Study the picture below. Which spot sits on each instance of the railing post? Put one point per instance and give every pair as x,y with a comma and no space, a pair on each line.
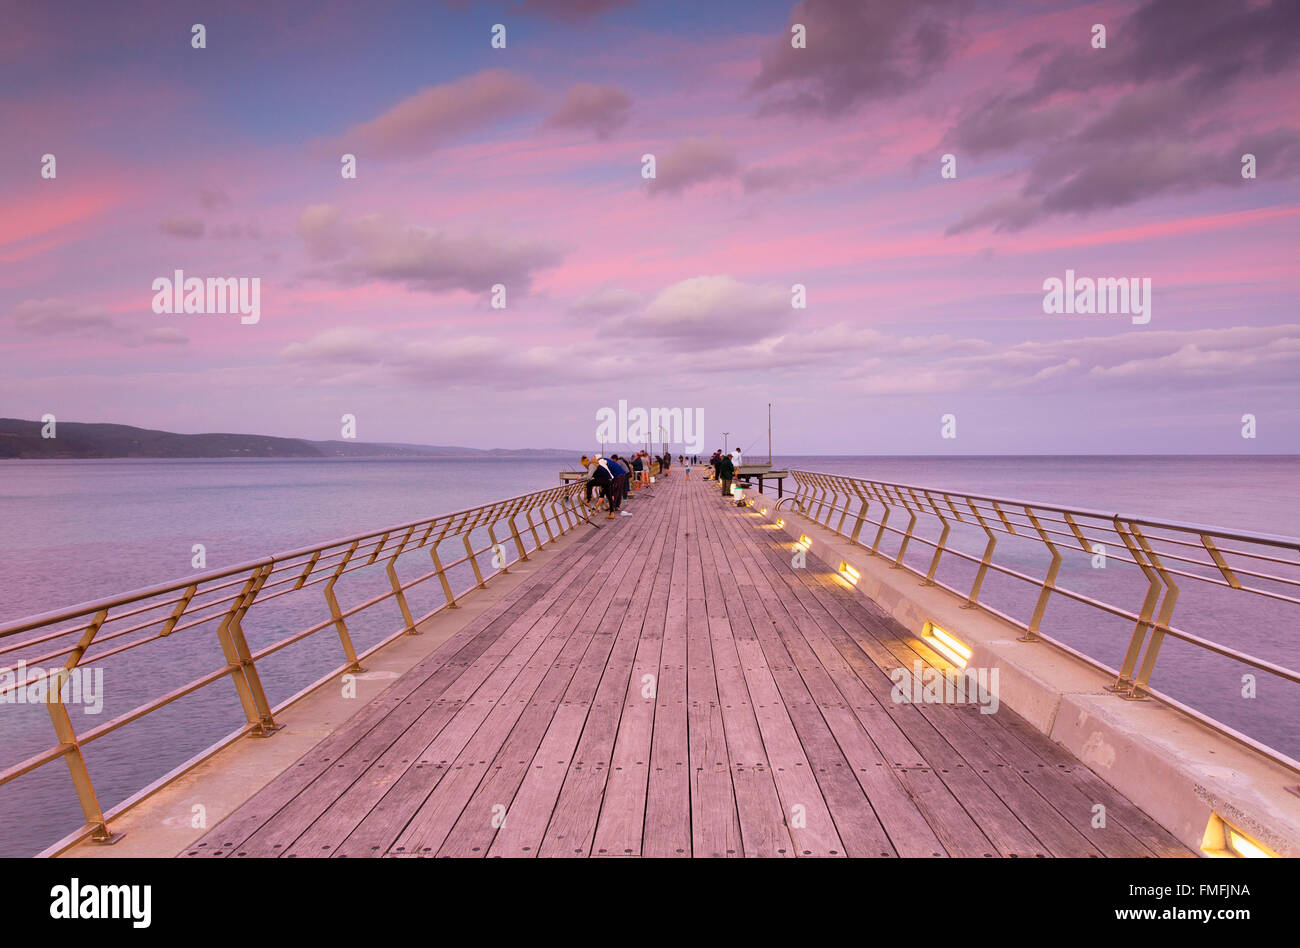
907,536
354,665
1228,575
492,535
67,735
862,513
398,593
1124,682
532,527
235,648
1162,620
884,519
566,505
442,575
519,541
972,600
1049,580
842,485
546,521
473,560
939,547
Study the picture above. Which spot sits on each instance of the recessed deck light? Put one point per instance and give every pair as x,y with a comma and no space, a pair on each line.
947,644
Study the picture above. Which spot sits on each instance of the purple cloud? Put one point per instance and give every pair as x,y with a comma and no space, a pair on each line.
857,50
601,109
691,162
374,247
190,228
429,118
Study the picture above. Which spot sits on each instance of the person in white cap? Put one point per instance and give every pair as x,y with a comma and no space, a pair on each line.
599,476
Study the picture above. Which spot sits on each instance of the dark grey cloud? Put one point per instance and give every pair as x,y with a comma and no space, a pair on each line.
567,11
572,9
857,50
1142,118
1206,45
190,228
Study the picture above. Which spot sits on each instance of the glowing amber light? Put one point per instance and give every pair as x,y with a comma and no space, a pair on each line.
1245,847
950,647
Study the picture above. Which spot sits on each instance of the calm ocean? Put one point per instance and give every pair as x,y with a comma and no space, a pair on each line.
72,531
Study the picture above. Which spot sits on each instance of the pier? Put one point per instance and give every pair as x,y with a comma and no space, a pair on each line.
699,679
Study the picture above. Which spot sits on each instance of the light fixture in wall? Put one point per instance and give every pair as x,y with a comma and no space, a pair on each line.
946,644
1225,841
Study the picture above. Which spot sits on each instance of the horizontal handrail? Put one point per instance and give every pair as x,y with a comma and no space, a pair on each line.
76,637
1163,550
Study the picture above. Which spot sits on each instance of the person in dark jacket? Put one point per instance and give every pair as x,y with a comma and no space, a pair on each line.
599,478
619,490
726,471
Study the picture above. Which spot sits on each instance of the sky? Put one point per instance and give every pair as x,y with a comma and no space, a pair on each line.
777,163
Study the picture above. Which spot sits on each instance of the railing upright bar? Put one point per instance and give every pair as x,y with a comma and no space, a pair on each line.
1162,619
345,638
398,593
257,710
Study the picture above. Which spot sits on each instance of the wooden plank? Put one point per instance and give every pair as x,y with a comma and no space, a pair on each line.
855,820
762,817
667,830
572,828
994,819
915,792
531,809
622,813
904,823
1053,832
1157,840
715,825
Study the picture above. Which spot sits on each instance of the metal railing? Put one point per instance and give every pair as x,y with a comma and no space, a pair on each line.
1166,552
93,632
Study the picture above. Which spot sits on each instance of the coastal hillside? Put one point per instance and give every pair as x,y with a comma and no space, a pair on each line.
22,439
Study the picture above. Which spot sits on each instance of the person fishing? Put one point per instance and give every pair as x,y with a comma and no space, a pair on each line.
599,477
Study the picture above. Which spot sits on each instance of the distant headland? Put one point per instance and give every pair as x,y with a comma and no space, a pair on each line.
25,440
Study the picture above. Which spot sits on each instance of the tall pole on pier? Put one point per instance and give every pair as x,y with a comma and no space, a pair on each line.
769,434
724,441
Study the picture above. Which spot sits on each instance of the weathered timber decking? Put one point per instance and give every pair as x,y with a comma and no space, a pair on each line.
670,686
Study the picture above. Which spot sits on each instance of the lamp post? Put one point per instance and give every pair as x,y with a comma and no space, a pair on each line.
724,441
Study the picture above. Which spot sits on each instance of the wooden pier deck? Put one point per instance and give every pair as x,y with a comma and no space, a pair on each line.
669,686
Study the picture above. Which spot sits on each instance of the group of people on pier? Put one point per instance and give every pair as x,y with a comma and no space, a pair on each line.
614,478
